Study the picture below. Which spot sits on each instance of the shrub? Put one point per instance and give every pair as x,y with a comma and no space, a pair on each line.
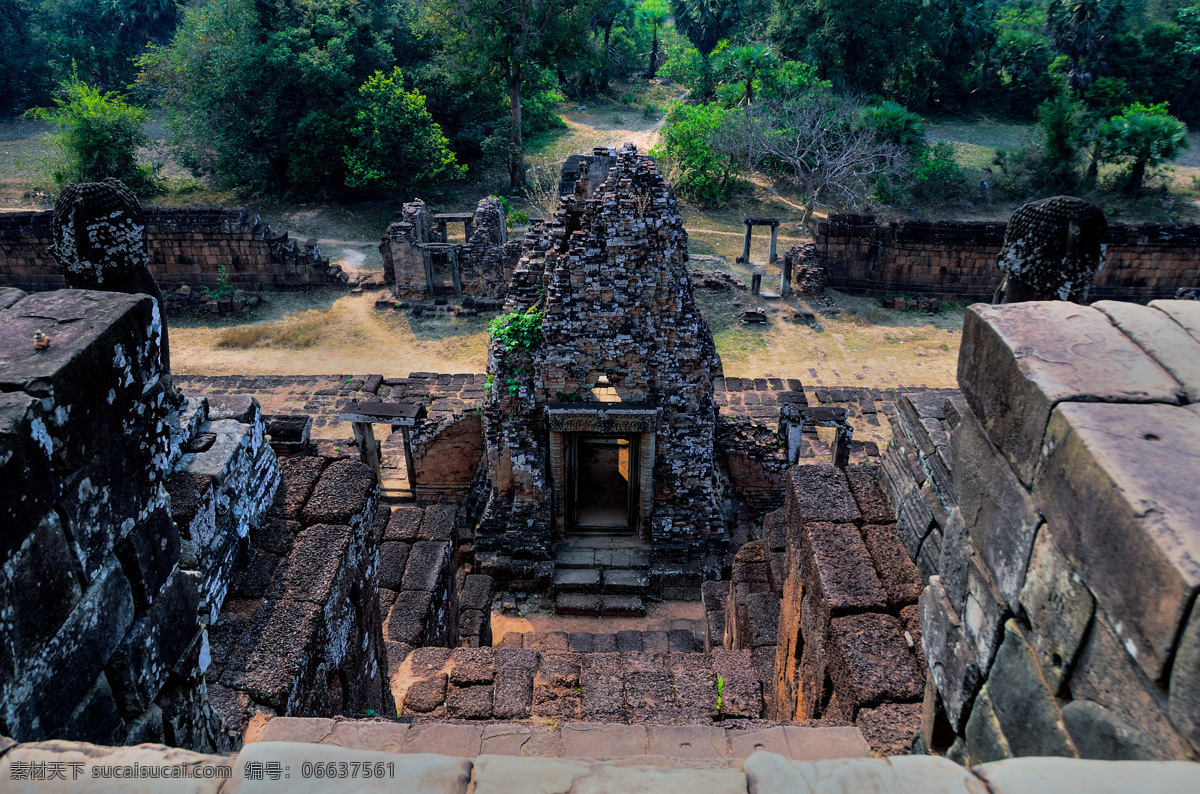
894,123
520,330
98,135
936,175
698,168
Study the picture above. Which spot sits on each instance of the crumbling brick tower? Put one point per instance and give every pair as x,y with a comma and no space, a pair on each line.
625,359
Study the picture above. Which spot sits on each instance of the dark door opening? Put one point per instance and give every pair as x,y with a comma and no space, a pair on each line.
605,484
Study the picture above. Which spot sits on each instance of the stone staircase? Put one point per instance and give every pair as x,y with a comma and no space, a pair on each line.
596,578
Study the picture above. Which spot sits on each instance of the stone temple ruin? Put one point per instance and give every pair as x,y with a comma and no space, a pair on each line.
1013,577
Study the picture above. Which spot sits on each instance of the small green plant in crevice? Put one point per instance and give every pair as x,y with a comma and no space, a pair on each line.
225,288
720,692
518,330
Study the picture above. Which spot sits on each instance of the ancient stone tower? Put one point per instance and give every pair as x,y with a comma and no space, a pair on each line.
604,424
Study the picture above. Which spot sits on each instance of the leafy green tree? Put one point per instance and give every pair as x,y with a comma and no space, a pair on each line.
859,45
1082,30
397,144
1142,136
653,13
512,36
266,94
22,67
896,124
936,175
706,22
98,133
698,163
1017,71
745,64
1061,123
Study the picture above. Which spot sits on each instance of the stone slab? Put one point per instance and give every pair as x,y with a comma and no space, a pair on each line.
1018,361
1119,488
1158,334
436,774
771,773
1037,775
602,740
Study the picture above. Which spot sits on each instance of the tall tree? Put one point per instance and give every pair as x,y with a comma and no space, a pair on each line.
1142,136
653,13
706,22
1082,30
511,35
745,63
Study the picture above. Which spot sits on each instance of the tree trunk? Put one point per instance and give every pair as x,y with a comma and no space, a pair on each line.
516,158
1135,178
1093,170
604,65
653,55
750,89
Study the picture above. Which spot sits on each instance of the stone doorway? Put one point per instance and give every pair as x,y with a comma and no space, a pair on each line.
604,484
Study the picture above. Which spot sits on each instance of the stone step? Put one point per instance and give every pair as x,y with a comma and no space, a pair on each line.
576,580
709,745
626,581
576,603
571,556
680,640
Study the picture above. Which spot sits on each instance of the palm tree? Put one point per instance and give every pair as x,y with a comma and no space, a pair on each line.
1082,30
653,13
1143,136
746,62
705,22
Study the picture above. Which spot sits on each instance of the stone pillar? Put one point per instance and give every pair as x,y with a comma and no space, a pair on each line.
454,272
441,232
645,483
368,449
785,277
427,259
558,483
468,228
408,460
774,242
756,282
746,244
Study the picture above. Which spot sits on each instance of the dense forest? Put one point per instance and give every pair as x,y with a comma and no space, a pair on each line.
353,95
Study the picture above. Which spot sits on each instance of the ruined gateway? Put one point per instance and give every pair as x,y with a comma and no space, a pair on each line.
987,587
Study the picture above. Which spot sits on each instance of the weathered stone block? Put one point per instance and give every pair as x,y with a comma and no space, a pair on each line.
556,690
1058,605
864,485
889,729
315,563
139,666
472,666
404,524
819,492
514,683
693,684
837,566
1186,313
996,509
762,614
25,449
392,559
406,620
1120,502
96,718
869,662
67,667
426,565
1184,702
1162,337
276,653
1018,361
647,683
983,616
37,592
469,703
899,576
299,476
741,691
149,554
915,519
438,523
342,495
951,656
476,592
1100,734
1105,674
603,684
984,737
1025,706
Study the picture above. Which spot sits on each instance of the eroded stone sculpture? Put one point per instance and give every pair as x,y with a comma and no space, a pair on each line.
100,243
1052,250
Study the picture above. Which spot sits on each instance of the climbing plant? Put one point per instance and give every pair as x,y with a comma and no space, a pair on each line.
518,330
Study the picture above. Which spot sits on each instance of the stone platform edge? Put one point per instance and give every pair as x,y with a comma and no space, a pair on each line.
303,767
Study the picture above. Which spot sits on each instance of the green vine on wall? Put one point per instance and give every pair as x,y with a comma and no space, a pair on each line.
520,330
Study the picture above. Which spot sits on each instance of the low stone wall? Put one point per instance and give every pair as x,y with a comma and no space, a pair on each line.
101,639
187,246
957,260
1051,505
